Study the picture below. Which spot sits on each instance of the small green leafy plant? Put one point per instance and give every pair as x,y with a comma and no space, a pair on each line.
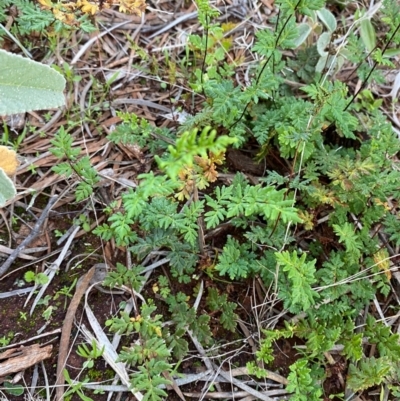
37,278
75,387
11,388
89,354
6,339
80,166
149,354
308,229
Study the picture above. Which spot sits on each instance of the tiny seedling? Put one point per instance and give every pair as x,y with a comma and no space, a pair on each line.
45,301
75,388
90,354
66,291
5,340
23,315
38,278
47,313
58,233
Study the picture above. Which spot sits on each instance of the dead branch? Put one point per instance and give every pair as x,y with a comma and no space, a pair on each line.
34,233
23,358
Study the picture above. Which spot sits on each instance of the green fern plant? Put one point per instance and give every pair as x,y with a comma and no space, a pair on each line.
80,166
149,354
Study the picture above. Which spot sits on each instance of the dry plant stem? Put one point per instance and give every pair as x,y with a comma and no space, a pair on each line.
200,222
56,331
94,39
46,381
233,395
207,360
251,398
132,38
182,381
8,227
248,336
15,292
198,345
35,231
25,255
177,21
52,121
270,375
217,395
332,362
83,108
245,387
66,331
15,40
36,261
155,264
109,354
174,385
35,378
141,102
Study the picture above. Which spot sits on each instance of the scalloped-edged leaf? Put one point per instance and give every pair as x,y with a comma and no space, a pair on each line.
26,85
7,188
304,30
13,389
327,18
368,34
322,63
323,42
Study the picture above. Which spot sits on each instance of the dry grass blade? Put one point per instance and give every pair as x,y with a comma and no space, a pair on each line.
51,271
236,395
109,353
81,288
207,361
13,293
259,395
270,375
50,333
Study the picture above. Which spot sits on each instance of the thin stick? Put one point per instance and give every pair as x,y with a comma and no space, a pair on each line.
35,231
50,333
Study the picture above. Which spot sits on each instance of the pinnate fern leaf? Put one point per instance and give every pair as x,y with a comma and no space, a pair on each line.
301,275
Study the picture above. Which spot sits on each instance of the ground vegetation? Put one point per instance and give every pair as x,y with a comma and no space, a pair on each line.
213,212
